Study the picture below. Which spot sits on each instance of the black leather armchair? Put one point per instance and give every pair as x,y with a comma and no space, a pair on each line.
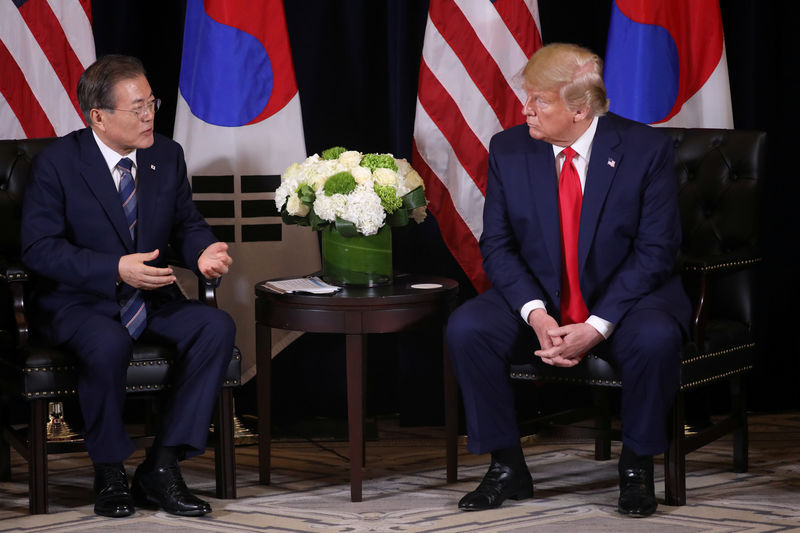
37,374
719,173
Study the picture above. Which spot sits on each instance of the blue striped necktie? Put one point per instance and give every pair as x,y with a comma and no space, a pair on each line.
133,314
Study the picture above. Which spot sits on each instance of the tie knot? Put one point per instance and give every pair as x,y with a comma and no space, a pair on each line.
569,153
125,163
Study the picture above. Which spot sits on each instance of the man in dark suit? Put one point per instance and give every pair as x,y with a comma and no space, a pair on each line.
101,208
580,249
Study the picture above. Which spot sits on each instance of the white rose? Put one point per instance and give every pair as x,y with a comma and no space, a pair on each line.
403,167
291,173
419,213
385,176
361,174
414,180
350,159
317,180
295,207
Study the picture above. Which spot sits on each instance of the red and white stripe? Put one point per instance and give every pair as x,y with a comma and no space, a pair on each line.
469,89
45,45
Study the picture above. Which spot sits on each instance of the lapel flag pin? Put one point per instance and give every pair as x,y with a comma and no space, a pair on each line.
153,167
611,163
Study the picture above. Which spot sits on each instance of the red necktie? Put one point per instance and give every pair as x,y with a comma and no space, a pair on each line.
570,197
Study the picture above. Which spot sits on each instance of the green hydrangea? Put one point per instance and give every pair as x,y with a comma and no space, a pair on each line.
373,161
388,196
333,152
339,183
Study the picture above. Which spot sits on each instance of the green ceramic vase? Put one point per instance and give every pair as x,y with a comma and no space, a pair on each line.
359,260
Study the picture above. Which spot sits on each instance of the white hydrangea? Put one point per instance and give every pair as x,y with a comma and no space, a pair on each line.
284,190
329,207
364,209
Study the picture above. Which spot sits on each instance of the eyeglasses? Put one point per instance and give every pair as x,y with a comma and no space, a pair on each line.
142,111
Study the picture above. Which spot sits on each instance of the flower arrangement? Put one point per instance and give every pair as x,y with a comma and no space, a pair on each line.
356,193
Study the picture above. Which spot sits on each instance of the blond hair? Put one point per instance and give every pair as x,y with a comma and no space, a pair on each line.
570,70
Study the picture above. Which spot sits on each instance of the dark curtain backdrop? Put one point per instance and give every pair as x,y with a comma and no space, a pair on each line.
356,63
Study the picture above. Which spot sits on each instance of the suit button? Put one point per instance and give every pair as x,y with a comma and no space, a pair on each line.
558,293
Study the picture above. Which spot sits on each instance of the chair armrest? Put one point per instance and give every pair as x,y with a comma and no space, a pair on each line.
206,292
14,276
729,262
699,273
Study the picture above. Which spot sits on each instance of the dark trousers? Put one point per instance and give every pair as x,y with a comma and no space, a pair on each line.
485,334
203,338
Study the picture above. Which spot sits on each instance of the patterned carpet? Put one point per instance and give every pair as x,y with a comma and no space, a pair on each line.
405,490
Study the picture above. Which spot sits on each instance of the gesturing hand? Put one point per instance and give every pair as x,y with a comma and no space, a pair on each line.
214,261
133,271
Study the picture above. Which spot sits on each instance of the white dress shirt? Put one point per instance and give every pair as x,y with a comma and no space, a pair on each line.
583,148
112,158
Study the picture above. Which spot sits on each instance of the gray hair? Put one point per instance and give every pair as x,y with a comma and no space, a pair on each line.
96,86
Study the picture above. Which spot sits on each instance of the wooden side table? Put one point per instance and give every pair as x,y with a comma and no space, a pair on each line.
354,312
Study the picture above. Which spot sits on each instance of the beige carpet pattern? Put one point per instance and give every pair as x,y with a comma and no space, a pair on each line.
405,490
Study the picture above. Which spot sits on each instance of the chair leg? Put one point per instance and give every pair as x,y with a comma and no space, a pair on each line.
740,434
602,442
37,460
450,419
675,457
5,458
224,449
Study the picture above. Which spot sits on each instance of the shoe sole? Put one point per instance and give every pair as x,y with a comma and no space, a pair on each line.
114,515
638,513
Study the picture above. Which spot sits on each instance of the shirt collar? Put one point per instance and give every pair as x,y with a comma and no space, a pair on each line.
583,144
110,156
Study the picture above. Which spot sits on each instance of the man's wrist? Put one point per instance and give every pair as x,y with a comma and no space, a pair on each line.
529,307
603,327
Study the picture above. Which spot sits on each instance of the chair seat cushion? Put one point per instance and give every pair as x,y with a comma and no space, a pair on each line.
729,349
39,371
592,370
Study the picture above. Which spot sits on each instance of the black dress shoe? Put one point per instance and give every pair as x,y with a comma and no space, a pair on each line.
112,495
637,493
500,483
164,487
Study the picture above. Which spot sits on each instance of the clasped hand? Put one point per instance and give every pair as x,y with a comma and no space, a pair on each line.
562,345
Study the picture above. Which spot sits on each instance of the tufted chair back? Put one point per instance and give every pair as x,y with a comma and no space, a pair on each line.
720,173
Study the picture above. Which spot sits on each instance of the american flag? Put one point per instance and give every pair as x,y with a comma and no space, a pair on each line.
45,45
469,89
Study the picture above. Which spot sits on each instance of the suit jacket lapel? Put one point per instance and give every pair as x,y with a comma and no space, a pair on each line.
543,181
96,175
605,160
147,195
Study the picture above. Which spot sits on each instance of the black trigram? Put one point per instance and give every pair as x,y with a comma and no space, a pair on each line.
250,202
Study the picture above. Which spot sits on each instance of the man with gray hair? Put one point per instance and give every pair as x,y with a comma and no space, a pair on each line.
102,206
581,232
